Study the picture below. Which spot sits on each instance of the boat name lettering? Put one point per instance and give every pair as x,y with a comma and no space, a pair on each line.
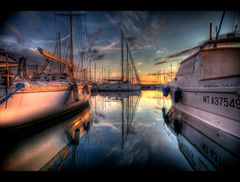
189,154
222,101
222,85
213,155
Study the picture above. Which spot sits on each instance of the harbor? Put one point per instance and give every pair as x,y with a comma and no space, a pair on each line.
95,93
119,135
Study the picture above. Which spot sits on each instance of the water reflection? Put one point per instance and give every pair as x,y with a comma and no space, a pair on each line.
205,147
32,153
128,103
123,129
76,132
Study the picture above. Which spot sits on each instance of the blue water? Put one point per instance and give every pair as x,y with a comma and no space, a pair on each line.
122,133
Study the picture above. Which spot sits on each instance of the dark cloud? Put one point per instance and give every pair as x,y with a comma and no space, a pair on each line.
31,16
154,29
95,55
133,41
38,30
130,21
99,57
18,36
149,34
93,37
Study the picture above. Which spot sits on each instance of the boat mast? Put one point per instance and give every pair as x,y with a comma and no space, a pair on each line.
122,103
59,51
129,57
127,69
70,15
122,56
219,28
71,44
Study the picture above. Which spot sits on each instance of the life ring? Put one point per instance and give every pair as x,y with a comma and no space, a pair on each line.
177,95
165,91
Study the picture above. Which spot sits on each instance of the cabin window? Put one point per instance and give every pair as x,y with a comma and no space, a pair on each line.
187,67
220,63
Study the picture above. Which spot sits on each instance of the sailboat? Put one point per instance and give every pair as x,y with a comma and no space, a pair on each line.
27,99
207,84
126,82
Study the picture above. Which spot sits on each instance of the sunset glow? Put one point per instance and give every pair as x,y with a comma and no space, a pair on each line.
152,36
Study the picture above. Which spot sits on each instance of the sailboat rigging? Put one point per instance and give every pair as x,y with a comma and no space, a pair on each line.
40,96
128,71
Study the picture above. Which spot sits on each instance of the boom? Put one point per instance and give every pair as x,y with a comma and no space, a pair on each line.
54,57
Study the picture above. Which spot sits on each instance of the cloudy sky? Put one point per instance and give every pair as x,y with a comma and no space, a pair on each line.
151,35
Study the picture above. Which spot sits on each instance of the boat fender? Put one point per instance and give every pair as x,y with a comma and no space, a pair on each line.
86,126
177,95
76,136
86,89
165,91
177,126
75,92
22,62
165,116
20,86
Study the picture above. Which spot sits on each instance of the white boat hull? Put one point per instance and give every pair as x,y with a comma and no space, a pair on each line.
208,86
27,106
219,109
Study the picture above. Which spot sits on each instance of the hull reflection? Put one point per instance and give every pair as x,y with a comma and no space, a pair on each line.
204,146
35,152
75,155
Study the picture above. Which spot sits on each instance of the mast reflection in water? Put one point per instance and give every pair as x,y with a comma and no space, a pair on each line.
118,130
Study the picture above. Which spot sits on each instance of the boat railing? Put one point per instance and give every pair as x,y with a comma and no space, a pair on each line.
9,64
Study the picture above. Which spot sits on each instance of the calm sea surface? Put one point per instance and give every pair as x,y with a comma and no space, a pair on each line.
117,130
